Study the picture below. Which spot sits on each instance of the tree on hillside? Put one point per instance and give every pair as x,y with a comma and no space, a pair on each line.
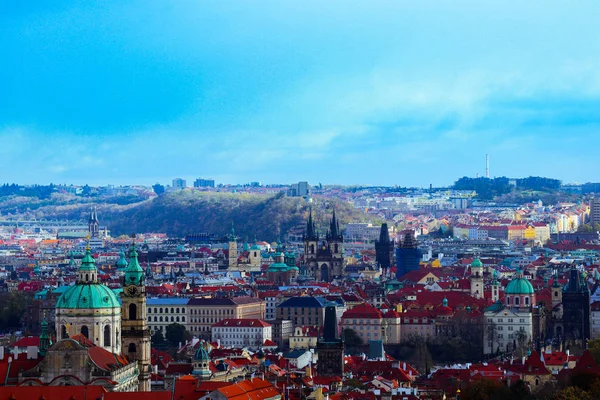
158,188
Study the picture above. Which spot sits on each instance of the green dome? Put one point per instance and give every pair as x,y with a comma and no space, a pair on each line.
477,263
519,286
201,354
93,295
122,263
87,262
278,267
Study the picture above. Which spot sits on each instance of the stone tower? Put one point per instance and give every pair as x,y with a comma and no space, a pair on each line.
556,291
93,224
136,334
408,255
233,250
330,349
576,309
477,279
324,259
384,248
495,287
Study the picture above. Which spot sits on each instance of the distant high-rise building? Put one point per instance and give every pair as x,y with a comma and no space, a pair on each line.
179,183
201,182
595,210
383,248
408,255
299,189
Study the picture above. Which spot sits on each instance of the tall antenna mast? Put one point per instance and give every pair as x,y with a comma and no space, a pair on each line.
487,166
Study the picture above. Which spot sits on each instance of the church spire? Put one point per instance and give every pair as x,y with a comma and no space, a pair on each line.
310,226
334,228
134,274
45,341
87,272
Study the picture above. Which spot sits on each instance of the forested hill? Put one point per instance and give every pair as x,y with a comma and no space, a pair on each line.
259,216
184,212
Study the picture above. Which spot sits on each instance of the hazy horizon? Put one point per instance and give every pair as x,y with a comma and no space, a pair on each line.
385,92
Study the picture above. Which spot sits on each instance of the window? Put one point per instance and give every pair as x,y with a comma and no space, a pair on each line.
84,331
132,311
63,332
107,336
131,348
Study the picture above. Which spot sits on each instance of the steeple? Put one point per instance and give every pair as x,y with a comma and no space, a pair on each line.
330,325
334,226
555,283
122,263
384,234
45,341
87,272
134,274
310,227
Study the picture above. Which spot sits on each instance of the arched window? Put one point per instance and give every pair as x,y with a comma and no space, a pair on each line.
63,332
131,348
87,277
172,310
182,319
160,319
161,310
516,301
526,300
107,336
177,310
176,319
172,319
149,310
155,319
154,310
84,331
132,311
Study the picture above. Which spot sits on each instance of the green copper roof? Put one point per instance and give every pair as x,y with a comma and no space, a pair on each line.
519,286
134,274
91,295
201,354
278,267
87,262
122,263
477,263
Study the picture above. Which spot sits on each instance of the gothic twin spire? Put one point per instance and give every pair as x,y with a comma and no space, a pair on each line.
334,231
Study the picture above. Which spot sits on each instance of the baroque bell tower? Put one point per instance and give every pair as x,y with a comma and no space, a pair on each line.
136,334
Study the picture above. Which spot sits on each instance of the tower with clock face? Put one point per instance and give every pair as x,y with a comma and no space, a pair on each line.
135,336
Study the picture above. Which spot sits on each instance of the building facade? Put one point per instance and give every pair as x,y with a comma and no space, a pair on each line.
239,333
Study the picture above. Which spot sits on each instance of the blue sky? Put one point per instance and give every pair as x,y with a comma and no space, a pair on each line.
367,92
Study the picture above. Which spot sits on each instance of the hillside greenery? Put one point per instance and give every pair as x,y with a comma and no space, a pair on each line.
266,217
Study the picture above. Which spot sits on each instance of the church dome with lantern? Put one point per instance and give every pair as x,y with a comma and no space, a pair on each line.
90,308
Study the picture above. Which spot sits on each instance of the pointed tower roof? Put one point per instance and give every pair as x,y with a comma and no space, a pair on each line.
88,264
134,274
384,234
409,241
45,340
122,263
334,227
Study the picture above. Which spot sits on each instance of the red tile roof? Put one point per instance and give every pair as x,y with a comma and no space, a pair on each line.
242,323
